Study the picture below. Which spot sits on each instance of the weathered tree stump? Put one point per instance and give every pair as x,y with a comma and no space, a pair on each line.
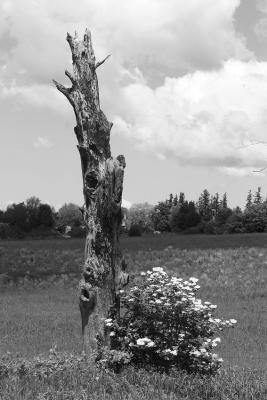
104,270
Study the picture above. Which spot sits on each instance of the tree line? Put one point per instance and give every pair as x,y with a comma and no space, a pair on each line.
210,215
32,218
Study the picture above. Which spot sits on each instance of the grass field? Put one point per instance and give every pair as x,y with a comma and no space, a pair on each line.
38,309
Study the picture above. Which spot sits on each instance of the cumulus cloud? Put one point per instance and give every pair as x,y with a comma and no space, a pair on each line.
36,95
261,28
215,119
261,5
43,142
168,85
161,38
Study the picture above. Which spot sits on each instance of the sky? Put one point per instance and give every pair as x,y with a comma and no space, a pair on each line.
185,86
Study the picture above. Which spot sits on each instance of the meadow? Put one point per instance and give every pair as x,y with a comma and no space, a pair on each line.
39,311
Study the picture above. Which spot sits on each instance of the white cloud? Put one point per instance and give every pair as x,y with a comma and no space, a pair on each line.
168,84
261,28
43,142
36,95
159,37
261,5
214,119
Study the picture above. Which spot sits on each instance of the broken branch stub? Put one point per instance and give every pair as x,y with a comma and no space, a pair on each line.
104,270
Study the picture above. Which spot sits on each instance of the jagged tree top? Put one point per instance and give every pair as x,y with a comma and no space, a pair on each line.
93,128
83,94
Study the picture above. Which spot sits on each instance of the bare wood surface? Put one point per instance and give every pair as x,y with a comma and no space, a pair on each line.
103,271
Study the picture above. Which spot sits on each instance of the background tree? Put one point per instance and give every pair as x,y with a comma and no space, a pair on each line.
234,223
175,201
222,215
184,216
257,196
17,216
46,216
249,199
104,270
69,215
215,204
255,218
32,205
140,214
170,200
161,217
224,202
181,198
204,206
2,216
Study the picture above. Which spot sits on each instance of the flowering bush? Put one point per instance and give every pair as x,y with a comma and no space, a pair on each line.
164,325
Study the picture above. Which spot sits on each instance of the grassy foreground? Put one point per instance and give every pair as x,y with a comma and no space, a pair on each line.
85,382
38,310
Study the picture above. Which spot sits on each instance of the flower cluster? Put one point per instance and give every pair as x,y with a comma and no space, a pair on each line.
162,323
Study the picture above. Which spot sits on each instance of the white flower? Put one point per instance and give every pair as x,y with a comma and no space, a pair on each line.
140,342
216,341
108,320
158,269
109,324
195,353
112,334
143,274
145,342
203,350
169,351
233,321
194,280
158,301
213,306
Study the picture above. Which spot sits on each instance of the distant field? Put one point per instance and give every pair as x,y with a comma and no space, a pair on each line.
151,242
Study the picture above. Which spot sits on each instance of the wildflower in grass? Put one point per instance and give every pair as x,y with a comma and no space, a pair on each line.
158,269
233,321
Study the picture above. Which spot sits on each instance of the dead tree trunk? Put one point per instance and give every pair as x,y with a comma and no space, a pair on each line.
103,270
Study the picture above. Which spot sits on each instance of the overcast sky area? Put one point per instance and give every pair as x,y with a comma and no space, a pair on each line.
186,89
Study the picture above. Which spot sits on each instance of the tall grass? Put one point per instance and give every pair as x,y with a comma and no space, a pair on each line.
38,310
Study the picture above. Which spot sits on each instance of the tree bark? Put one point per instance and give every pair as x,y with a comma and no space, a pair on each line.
104,269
